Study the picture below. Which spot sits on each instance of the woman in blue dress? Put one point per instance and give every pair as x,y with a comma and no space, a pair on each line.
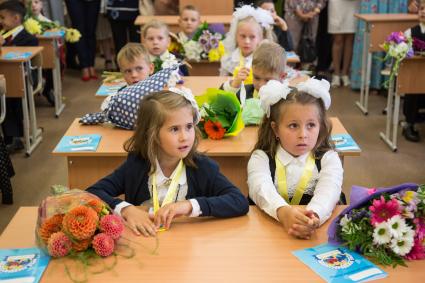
371,7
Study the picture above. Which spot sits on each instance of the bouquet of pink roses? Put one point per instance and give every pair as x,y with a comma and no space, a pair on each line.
386,225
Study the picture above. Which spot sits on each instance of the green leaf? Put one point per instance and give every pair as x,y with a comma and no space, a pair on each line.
223,121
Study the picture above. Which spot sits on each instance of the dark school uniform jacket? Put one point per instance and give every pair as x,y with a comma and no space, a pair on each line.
216,195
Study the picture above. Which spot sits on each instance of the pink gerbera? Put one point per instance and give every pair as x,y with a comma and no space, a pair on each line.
420,228
417,252
112,225
59,245
103,244
383,210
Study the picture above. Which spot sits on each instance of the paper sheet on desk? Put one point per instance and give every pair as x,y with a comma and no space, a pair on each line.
17,55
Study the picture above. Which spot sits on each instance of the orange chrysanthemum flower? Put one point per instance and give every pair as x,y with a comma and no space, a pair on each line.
82,245
50,225
214,130
96,204
81,222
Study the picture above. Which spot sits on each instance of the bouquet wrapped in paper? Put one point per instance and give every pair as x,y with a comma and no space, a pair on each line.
221,114
206,44
386,224
72,222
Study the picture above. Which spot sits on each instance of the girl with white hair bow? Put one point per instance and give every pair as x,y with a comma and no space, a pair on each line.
293,162
248,28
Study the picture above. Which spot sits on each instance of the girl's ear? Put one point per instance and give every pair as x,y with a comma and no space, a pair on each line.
274,127
151,69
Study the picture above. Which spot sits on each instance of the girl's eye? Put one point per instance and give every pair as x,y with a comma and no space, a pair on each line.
292,126
174,129
189,126
311,125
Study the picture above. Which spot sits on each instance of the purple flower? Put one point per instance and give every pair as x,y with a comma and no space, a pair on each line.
418,45
396,37
410,53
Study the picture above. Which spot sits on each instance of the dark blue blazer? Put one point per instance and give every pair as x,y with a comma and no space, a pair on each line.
215,194
24,38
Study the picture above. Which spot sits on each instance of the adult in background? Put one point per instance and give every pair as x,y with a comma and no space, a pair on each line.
83,14
342,25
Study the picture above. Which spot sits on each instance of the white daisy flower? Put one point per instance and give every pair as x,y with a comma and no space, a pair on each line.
344,222
397,226
381,234
409,234
401,246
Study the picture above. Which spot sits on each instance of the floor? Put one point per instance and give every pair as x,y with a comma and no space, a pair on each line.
377,166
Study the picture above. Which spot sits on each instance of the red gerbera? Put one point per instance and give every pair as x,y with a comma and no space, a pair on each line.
214,130
383,210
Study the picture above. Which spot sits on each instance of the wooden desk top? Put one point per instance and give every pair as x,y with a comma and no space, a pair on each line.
111,143
173,20
252,248
387,17
35,50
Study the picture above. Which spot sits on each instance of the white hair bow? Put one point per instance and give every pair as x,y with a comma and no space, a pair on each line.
187,93
318,89
261,16
271,93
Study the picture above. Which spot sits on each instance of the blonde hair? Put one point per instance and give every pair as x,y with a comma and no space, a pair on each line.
131,52
153,111
266,137
270,57
189,8
266,33
156,25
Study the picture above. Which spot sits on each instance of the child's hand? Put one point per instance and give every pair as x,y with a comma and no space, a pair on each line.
168,212
296,221
240,77
138,221
280,22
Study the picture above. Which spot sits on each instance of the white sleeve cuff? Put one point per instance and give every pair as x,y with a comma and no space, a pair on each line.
228,87
196,209
120,206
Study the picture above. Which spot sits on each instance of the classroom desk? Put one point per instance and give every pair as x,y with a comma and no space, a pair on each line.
206,68
173,24
409,81
232,153
377,28
217,7
18,76
252,248
51,61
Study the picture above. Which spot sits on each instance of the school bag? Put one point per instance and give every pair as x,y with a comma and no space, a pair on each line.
307,47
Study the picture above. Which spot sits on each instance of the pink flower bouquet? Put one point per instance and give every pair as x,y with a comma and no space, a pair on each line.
386,225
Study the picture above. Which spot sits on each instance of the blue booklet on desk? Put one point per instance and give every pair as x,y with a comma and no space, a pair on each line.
60,33
22,265
17,55
344,142
78,143
109,89
338,264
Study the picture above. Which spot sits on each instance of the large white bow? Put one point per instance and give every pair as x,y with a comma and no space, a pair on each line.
318,89
187,93
271,93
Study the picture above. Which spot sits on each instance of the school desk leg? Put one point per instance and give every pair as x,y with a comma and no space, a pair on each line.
35,133
391,109
57,82
365,76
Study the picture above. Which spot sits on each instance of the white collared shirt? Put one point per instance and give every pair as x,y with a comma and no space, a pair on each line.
18,30
232,60
408,32
163,183
325,186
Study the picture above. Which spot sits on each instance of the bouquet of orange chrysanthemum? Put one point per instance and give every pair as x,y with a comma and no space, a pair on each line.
79,225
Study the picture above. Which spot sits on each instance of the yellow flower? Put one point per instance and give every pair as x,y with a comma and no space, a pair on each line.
32,26
72,35
408,196
214,55
221,49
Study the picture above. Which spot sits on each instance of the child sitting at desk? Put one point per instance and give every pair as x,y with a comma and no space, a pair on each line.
268,63
12,14
134,63
164,171
189,21
293,161
248,28
413,103
155,37
280,28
